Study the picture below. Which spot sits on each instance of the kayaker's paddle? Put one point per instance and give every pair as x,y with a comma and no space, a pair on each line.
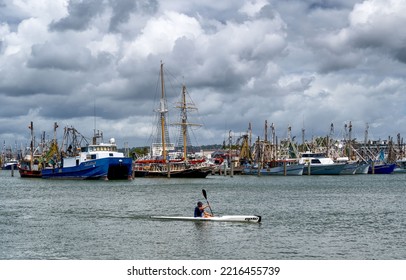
205,197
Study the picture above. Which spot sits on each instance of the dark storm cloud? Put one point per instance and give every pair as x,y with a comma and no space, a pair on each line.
325,4
80,14
61,57
121,12
123,9
401,55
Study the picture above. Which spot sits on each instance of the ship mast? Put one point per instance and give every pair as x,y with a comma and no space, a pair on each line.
184,123
162,111
32,144
184,107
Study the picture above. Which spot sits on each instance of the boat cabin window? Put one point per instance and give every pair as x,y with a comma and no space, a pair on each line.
318,155
102,149
316,161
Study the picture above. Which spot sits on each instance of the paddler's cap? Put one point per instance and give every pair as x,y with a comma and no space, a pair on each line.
199,203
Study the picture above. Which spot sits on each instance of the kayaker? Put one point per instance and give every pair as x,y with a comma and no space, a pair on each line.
199,210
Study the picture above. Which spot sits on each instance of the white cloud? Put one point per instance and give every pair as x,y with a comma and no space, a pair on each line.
160,34
372,24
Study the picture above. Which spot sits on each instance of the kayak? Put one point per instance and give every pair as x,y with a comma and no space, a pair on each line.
230,218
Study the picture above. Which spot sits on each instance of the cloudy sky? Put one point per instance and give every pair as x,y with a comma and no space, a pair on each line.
299,63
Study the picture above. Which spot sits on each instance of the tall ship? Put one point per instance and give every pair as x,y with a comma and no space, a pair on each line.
163,161
77,159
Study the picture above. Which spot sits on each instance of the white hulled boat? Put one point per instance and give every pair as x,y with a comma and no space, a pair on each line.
320,164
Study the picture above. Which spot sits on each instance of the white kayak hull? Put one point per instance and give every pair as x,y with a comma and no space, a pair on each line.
230,218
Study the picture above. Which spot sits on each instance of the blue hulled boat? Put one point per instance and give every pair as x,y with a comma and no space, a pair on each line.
10,164
382,168
94,161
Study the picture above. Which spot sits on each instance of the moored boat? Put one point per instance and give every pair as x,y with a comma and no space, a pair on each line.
31,165
400,166
30,168
362,168
319,164
91,161
160,163
350,166
10,164
381,168
171,169
283,168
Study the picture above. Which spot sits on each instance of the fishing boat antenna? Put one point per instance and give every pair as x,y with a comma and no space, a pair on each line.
97,134
94,118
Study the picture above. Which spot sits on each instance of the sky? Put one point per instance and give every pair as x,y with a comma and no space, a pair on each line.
304,64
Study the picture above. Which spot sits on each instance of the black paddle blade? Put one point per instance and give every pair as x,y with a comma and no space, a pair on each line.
205,197
204,193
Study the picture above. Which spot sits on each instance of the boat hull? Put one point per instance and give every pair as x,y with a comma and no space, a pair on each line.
104,168
291,170
362,168
13,166
160,170
24,173
399,170
323,169
230,218
382,169
28,170
349,169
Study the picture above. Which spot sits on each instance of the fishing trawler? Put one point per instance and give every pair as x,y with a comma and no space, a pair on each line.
31,164
77,160
282,167
160,163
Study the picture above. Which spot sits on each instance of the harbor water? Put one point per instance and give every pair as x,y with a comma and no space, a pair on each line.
350,217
